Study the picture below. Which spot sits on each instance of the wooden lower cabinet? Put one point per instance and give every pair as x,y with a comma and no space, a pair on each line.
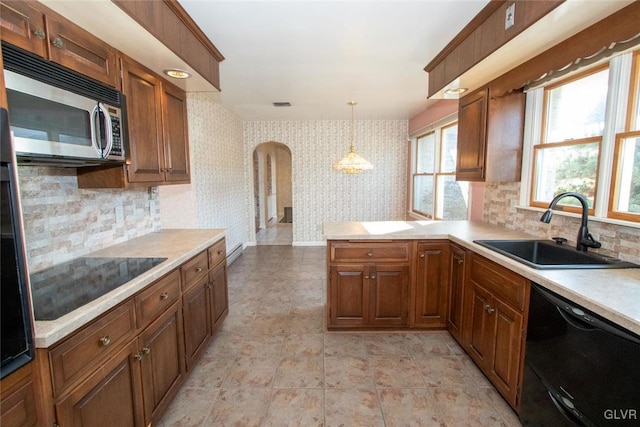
163,362
431,290
112,395
368,295
496,302
18,401
457,277
218,296
197,325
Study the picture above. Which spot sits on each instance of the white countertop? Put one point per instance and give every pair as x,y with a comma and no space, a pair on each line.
177,246
612,293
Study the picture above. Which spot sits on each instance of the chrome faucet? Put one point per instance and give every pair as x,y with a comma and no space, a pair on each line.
585,239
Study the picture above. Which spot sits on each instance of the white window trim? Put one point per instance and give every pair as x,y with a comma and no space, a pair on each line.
620,68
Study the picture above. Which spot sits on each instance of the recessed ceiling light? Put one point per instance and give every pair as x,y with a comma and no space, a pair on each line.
282,104
456,91
177,74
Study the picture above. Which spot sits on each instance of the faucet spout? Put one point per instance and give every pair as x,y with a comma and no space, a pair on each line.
585,239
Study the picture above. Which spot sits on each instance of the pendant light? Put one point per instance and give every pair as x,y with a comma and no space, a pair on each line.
352,163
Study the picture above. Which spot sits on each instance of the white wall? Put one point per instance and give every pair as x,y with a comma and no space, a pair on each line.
322,194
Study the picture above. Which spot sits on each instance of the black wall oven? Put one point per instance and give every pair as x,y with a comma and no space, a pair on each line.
16,340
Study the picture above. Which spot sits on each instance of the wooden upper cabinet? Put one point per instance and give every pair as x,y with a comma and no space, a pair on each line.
37,29
144,115
472,134
174,130
23,25
490,136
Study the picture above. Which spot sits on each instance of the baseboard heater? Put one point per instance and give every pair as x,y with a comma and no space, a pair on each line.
234,254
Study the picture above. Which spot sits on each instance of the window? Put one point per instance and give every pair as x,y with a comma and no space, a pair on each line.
625,187
567,157
436,193
588,140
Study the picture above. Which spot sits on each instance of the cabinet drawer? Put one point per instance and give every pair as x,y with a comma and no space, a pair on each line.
217,253
193,269
91,345
369,251
157,298
503,283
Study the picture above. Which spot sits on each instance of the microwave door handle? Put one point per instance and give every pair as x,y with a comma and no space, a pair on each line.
95,129
108,130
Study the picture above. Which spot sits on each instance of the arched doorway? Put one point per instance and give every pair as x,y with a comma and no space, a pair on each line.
273,194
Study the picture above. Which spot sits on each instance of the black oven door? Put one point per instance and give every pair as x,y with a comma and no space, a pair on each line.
16,341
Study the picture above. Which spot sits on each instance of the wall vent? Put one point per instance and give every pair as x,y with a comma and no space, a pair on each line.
282,104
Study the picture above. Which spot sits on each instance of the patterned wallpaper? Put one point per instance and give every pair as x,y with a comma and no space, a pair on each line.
63,222
322,194
500,200
216,196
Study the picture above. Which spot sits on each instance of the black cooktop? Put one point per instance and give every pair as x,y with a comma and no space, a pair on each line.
60,289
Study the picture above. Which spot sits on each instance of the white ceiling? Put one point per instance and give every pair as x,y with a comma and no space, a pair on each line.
319,55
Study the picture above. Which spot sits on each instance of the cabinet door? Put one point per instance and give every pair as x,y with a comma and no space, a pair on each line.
472,125
219,295
389,294
456,294
18,404
176,142
75,48
163,368
197,325
112,396
432,285
144,93
481,330
23,25
507,349
348,295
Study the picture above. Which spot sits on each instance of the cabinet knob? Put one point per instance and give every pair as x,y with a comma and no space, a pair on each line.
373,276
164,295
39,33
460,261
219,252
105,340
57,42
366,276
421,254
146,350
198,269
138,357
490,310
370,253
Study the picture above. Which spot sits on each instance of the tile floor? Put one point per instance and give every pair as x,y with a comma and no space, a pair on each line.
273,364
275,234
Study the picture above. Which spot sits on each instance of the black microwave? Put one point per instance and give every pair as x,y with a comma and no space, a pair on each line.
59,117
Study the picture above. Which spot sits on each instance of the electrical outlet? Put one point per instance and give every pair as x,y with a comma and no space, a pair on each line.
510,16
154,192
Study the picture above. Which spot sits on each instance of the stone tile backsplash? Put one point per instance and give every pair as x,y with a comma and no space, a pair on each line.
501,199
63,222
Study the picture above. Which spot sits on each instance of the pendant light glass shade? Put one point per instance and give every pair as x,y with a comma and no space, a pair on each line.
352,163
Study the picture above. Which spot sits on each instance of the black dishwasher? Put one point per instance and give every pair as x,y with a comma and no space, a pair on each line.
580,369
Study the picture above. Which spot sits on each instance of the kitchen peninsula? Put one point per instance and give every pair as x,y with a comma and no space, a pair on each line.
411,275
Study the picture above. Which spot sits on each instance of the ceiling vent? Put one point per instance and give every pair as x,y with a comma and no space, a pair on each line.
282,104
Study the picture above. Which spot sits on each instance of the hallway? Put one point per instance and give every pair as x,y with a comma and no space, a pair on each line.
273,363
275,234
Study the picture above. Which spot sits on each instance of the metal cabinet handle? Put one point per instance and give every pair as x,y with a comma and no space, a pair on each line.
164,295
370,253
219,253
373,276
460,261
57,42
421,254
138,357
146,350
105,340
366,276
39,33
490,310
198,269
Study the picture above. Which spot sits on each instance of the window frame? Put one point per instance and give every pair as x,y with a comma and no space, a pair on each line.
622,99
437,130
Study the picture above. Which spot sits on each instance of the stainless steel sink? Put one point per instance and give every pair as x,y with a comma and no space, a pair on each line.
546,255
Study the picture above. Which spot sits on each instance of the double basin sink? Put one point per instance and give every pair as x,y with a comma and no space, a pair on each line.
548,255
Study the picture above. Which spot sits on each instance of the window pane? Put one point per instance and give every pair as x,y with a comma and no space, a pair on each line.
453,198
566,168
628,195
423,194
449,149
576,110
426,153
636,121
